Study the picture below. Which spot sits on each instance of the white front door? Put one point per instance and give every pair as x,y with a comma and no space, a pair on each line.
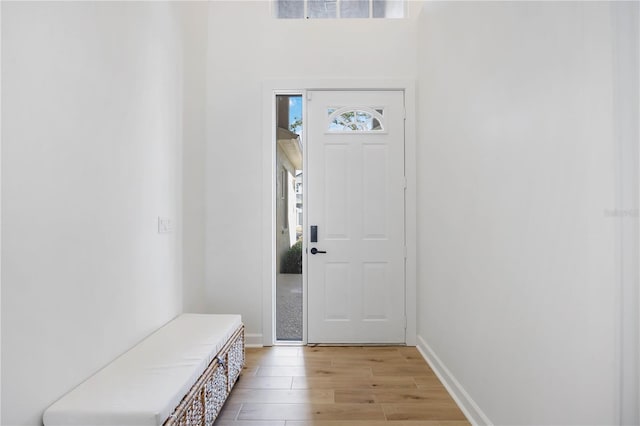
355,172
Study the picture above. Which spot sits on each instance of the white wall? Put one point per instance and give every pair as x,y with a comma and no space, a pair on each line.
0,214
246,48
194,16
90,159
518,289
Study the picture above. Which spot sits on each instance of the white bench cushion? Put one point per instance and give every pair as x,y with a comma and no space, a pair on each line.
144,385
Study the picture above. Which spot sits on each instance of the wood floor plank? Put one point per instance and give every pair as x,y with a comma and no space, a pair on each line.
380,349
353,383
253,382
312,371
402,370
332,349
229,411
354,355
283,396
311,412
250,370
420,396
285,361
278,350
430,380
339,386
411,354
411,396
370,360
357,396
431,411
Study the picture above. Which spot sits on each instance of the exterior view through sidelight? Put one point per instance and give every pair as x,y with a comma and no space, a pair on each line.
288,238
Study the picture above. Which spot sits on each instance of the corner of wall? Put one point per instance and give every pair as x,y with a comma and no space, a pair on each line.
468,406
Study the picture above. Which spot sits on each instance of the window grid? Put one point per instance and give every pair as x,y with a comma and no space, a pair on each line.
333,9
355,119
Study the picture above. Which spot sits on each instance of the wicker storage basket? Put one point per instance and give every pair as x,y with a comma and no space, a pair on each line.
204,401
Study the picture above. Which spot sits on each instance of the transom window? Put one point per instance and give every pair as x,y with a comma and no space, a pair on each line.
326,9
355,119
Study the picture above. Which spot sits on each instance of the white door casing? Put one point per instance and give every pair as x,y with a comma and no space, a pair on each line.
356,198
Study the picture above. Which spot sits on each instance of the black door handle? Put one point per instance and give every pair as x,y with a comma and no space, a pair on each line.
315,251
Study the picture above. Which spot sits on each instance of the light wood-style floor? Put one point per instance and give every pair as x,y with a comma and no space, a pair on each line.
332,386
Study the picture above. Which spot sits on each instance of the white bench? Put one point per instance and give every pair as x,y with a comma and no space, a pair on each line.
179,375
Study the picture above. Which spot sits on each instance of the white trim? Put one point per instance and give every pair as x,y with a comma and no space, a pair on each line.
411,225
267,244
468,406
269,177
624,23
267,238
253,340
0,214
305,221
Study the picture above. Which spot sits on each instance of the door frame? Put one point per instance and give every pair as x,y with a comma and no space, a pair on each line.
272,88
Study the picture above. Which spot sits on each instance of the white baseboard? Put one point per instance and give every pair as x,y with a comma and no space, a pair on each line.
468,406
253,340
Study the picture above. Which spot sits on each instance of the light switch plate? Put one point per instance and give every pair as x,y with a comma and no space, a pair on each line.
164,225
